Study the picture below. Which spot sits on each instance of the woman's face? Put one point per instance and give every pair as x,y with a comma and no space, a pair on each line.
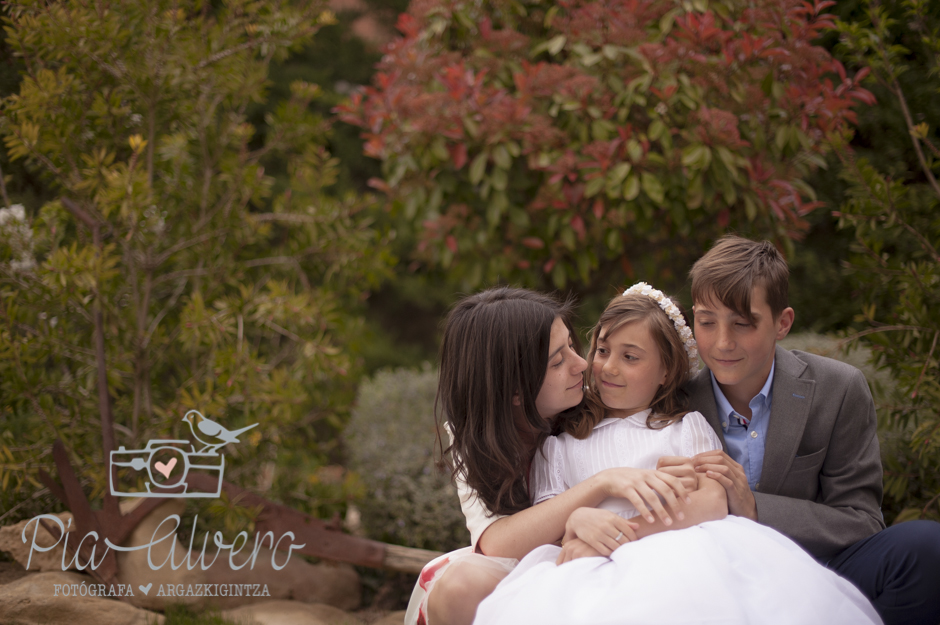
563,387
628,369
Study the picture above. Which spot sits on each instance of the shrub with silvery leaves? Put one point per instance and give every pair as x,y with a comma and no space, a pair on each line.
391,442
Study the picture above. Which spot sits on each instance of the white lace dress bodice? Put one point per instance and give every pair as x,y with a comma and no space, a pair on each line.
566,461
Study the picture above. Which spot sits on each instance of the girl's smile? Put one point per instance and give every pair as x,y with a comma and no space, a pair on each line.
628,368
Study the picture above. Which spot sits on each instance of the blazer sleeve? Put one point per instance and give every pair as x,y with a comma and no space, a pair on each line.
847,504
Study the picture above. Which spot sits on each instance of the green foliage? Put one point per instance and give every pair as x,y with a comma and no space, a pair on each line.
214,290
553,143
896,265
391,441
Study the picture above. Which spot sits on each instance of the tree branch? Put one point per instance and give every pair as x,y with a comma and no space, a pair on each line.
160,259
896,87
859,335
282,331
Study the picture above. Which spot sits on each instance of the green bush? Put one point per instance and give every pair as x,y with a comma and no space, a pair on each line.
391,441
892,212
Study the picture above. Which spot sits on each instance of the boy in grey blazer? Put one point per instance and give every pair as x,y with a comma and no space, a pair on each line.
800,446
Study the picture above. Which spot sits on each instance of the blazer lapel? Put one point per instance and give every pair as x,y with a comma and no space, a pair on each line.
789,410
702,399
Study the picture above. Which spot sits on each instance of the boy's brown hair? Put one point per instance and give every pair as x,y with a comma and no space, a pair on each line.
733,267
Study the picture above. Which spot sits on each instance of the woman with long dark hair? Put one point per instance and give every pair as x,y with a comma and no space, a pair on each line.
510,371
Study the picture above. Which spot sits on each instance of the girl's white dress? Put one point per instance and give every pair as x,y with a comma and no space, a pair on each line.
732,571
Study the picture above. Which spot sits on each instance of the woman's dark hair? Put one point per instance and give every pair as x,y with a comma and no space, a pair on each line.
670,402
495,348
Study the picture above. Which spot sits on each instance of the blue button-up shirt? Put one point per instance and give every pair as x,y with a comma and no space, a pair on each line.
746,442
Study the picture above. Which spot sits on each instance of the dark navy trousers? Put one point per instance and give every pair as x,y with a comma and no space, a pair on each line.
898,569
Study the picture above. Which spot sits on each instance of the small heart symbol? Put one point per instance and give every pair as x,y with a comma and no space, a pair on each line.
165,469
146,589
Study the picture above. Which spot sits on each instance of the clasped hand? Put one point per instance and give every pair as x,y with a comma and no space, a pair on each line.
592,532
596,532
644,487
722,468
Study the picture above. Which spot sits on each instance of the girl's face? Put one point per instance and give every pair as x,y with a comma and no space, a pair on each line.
627,369
563,387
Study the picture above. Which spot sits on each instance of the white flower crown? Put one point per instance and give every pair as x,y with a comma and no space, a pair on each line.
685,333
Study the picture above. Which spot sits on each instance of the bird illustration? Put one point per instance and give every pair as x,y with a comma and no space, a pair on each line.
203,428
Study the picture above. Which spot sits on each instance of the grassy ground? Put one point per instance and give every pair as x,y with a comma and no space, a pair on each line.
183,615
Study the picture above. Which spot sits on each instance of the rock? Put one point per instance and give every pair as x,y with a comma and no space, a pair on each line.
10,572
32,600
337,585
11,542
134,569
329,583
289,613
333,584
392,618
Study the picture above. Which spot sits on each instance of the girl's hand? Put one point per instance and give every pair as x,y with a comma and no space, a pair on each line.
574,549
643,488
681,468
601,530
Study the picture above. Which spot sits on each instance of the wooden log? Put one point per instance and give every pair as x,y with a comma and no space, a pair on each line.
407,559
320,539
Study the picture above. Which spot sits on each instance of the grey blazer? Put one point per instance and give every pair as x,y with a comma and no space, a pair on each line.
821,482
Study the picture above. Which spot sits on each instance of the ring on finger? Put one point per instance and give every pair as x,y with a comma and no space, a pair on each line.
619,536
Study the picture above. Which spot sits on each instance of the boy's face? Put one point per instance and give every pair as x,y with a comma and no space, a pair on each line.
738,352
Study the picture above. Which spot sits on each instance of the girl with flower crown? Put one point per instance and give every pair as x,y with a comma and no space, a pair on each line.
510,369
725,571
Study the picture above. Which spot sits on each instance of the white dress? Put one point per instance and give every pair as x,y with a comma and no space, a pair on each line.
732,571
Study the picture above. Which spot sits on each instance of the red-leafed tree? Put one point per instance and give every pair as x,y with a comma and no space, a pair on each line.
546,141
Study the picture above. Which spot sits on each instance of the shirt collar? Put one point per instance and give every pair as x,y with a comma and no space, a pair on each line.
639,418
724,406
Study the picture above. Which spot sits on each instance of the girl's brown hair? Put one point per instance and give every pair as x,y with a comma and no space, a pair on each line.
670,402
494,349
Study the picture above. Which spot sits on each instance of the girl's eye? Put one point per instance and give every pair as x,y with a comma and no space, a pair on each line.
558,364
629,357
743,325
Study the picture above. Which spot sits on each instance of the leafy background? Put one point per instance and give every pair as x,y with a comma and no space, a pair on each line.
368,266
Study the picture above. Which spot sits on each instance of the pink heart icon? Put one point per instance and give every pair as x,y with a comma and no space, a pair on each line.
167,468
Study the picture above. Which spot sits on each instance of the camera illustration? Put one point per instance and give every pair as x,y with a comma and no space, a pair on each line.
165,464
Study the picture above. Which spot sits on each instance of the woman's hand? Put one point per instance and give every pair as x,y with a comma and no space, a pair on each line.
680,467
574,549
643,488
602,530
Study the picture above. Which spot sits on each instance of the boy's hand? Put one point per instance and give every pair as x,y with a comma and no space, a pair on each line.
722,468
680,467
574,549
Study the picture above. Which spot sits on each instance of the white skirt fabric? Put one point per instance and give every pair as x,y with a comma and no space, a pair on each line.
417,613
732,571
